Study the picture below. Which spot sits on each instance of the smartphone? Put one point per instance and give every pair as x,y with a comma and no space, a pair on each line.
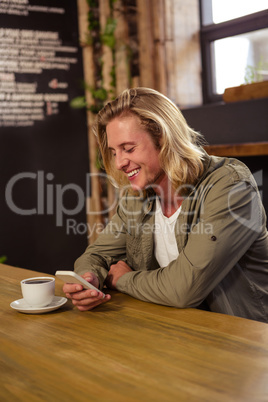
72,277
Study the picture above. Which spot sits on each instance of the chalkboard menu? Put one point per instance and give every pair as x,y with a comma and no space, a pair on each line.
43,141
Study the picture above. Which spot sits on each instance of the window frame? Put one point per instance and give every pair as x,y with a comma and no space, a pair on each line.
211,32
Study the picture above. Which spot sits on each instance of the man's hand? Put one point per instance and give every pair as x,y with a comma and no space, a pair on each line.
116,271
85,299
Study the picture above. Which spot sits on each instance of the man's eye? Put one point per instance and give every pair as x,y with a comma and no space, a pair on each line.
129,150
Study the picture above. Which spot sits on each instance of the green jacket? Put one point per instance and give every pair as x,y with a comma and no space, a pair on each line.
222,241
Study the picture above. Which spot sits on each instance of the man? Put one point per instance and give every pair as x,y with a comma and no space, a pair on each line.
189,228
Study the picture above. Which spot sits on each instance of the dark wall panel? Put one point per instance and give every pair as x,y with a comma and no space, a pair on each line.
236,123
43,141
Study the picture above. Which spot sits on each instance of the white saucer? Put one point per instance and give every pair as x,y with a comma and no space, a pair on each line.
21,306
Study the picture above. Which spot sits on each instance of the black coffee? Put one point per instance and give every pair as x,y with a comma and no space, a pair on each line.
35,281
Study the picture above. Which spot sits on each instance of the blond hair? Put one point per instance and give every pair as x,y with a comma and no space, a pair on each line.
180,153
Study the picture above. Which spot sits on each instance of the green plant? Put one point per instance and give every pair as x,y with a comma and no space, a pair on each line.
255,73
3,259
99,95
97,39
108,38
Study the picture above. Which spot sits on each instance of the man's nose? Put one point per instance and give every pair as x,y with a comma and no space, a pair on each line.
120,161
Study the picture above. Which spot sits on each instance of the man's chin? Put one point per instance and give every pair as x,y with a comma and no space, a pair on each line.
135,187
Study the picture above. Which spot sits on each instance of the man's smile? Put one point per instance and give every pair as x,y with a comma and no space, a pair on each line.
133,172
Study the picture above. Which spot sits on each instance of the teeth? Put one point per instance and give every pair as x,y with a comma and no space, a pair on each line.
130,174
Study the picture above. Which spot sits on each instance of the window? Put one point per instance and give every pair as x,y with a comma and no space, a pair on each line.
234,44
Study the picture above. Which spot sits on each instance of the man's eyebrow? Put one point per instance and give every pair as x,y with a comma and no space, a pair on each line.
124,144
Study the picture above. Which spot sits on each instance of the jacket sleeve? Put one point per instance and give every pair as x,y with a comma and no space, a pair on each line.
231,218
109,248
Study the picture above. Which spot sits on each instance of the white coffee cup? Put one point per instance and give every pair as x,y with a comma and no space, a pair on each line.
38,291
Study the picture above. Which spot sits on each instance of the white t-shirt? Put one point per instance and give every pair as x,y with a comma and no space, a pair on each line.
166,249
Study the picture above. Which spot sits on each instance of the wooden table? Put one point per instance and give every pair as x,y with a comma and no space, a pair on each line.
127,350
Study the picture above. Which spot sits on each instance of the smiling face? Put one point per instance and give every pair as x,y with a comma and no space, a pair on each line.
134,152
